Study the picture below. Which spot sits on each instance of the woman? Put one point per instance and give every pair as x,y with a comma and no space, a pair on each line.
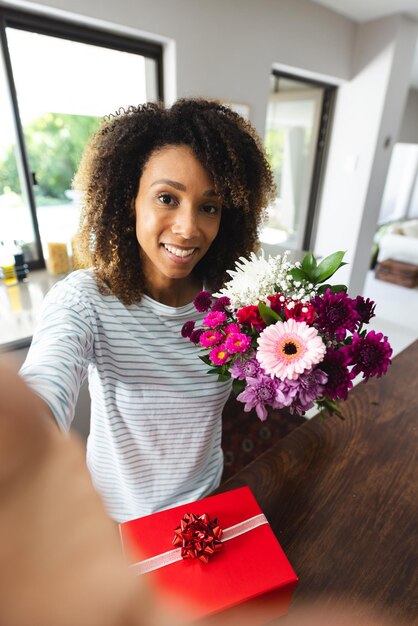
171,199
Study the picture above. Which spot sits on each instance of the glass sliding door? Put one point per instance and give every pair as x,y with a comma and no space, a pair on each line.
292,139
65,79
15,216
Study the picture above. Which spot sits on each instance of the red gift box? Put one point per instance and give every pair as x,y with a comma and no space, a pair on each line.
249,580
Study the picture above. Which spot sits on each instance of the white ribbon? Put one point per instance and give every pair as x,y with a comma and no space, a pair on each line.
172,556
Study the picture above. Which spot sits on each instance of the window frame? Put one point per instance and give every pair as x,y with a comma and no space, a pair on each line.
80,33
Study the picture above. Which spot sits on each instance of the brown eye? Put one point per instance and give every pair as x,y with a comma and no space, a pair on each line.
210,209
165,198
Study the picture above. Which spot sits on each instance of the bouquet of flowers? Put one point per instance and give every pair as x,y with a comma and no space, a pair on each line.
286,336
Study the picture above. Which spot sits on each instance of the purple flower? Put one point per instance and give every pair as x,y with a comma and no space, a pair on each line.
196,334
202,301
370,354
258,393
339,377
310,388
244,368
286,392
262,391
187,329
365,309
221,304
212,320
335,314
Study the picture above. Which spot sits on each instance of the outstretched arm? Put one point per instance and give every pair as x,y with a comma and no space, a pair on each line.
60,553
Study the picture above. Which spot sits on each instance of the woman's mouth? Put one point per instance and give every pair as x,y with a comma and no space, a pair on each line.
180,253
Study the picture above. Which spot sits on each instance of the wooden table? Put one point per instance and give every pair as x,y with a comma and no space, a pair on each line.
342,496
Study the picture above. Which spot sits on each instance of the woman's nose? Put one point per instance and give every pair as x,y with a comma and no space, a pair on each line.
185,224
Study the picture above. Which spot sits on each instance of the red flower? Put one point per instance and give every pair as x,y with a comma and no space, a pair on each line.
250,316
299,311
277,302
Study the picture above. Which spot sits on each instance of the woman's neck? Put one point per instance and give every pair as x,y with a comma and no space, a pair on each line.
176,294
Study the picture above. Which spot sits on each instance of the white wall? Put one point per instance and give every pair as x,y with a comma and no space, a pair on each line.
367,118
409,128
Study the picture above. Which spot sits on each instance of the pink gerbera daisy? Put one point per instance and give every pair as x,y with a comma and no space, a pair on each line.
287,349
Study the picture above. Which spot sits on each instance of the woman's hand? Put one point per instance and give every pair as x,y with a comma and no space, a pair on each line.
60,554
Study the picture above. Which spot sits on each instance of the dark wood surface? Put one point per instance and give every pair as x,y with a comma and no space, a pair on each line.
342,496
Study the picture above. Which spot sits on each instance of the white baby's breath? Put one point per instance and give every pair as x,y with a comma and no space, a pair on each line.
256,278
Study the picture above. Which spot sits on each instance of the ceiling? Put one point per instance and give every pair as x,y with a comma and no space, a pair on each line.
365,10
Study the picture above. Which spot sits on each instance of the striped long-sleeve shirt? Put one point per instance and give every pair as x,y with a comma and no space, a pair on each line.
155,433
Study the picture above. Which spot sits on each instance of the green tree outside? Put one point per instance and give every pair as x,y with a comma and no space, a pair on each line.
55,143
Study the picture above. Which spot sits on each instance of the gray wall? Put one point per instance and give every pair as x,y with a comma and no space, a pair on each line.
409,129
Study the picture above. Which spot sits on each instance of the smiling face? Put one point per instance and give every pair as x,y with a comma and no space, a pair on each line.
178,215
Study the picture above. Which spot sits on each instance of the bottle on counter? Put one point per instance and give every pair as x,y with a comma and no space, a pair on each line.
7,264
21,268
58,261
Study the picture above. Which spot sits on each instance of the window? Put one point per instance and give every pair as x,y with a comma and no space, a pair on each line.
57,81
296,127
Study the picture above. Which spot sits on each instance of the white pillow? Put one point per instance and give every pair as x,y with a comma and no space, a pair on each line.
410,229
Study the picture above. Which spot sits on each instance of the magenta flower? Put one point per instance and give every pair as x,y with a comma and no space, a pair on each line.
187,329
219,355
310,388
365,309
370,354
238,342
210,338
221,304
196,334
231,329
243,368
335,314
214,319
203,301
339,377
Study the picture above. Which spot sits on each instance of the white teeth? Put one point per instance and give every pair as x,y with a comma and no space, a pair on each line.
178,251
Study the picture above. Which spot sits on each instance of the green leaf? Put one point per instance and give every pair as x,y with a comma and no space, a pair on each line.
223,377
299,275
268,315
328,266
238,386
205,359
214,371
309,264
334,288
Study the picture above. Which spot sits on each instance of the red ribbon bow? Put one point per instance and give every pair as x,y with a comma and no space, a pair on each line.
198,536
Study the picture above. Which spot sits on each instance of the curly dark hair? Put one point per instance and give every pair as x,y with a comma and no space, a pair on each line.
224,143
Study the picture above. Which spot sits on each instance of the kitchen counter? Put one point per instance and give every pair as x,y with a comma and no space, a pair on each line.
19,309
